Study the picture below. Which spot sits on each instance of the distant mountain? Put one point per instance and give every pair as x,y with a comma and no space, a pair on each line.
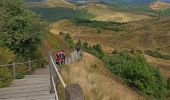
128,1
35,0
168,1
115,1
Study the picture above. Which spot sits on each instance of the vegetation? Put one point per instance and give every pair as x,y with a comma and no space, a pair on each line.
132,69
21,33
157,54
137,73
58,13
6,56
114,26
69,40
21,30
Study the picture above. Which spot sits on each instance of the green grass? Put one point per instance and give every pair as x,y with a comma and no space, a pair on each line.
108,25
58,13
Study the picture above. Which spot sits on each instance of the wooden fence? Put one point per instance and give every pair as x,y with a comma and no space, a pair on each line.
72,91
29,64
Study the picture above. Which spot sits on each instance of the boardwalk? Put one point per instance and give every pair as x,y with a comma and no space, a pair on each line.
37,85
32,87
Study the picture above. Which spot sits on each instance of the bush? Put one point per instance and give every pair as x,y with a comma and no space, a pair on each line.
137,73
95,49
6,56
20,75
5,77
22,30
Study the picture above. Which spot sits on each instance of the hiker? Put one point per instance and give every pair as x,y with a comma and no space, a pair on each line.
62,55
78,48
58,60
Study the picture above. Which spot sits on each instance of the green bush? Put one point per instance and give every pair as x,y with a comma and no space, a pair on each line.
20,75
5,77
137,73
95,49
6,56
21,30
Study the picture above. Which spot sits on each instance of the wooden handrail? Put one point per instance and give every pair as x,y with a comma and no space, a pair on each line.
55,90
53,68
58,74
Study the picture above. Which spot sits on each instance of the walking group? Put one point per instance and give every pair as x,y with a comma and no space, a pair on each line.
60,57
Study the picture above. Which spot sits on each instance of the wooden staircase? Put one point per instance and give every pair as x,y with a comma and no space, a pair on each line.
32,87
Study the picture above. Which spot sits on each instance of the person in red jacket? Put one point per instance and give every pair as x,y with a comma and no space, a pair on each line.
58,60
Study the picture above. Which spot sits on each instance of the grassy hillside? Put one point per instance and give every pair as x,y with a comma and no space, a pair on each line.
145,34
152,34
97,82
50,3
107,13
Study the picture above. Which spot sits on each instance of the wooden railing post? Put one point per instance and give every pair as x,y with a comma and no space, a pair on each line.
29,66
51,72
14,70
73,92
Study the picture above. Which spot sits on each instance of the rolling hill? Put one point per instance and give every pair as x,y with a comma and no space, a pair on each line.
97,82
149,34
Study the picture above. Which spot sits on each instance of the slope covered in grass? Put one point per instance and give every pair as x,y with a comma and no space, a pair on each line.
97,82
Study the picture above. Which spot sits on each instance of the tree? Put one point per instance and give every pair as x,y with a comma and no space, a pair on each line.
22,30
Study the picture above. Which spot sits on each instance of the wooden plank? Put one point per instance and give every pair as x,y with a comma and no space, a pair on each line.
23,87
16,84
44,97
25,95
27,90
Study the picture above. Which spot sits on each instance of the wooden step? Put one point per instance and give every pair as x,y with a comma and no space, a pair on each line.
44,97
16,84
25,95
23,87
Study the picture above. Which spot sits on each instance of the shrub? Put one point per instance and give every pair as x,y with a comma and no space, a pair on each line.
5,77
6,56
22,30
20,75
137,73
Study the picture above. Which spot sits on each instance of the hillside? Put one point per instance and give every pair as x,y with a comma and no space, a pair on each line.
97,82
159,5
152,34
106,13
145,34
50,3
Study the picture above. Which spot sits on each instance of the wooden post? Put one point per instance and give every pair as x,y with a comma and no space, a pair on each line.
14,70
29,66
73,92
51,72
